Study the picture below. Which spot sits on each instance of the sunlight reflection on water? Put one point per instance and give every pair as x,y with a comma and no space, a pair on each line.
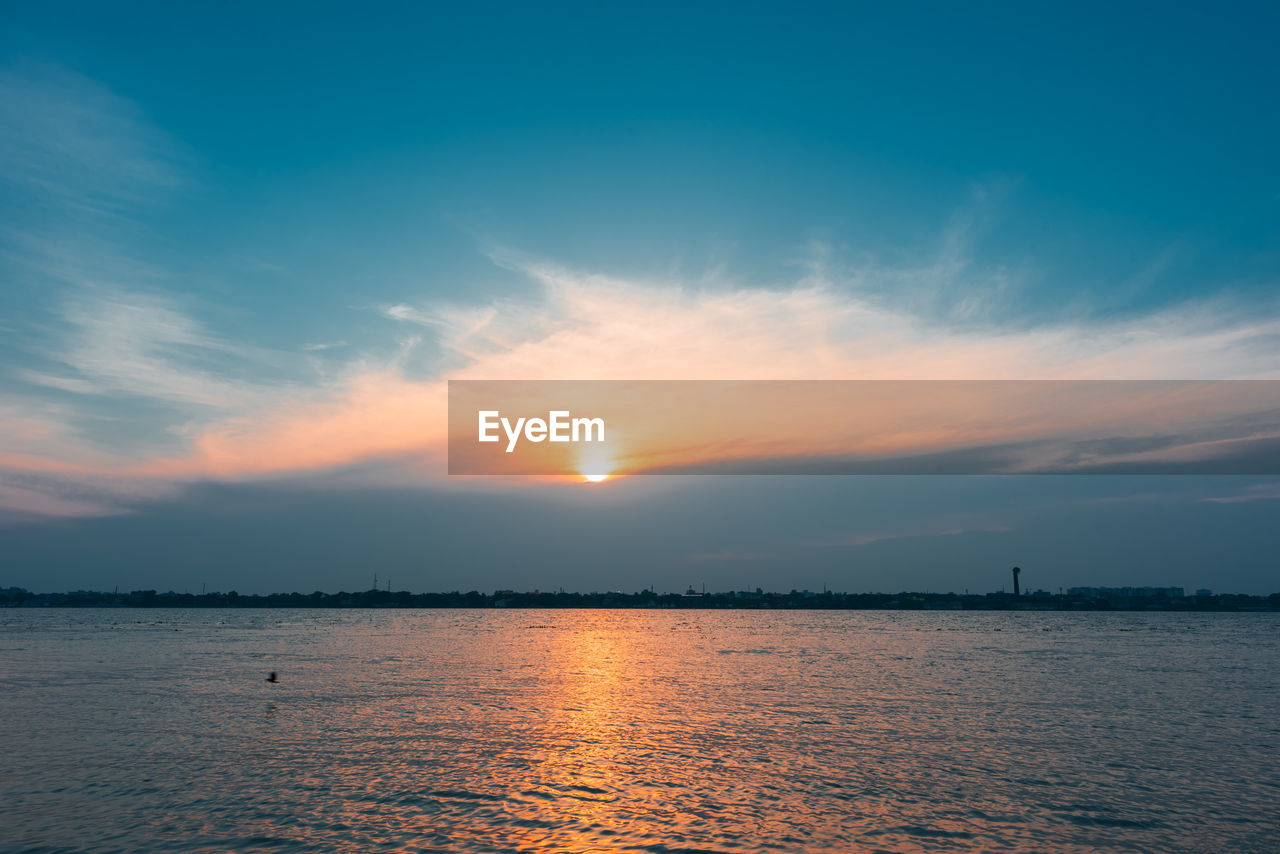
548,731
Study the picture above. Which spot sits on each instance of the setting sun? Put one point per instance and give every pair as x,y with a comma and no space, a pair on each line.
596,463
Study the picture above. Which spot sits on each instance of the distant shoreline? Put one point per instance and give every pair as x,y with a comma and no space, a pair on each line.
795,600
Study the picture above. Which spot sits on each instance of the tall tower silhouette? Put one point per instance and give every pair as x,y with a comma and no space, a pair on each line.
1016,591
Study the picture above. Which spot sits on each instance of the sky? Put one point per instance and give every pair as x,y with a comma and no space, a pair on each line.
242,247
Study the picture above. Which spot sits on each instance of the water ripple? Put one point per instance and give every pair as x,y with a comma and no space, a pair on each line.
576,731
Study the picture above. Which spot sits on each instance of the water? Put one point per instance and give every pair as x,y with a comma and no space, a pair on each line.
653,731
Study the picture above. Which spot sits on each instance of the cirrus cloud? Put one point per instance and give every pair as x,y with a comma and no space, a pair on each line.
587,326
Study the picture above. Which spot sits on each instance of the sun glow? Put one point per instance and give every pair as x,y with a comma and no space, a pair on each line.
595,464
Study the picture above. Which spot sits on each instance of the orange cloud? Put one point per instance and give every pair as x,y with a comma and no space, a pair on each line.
594,327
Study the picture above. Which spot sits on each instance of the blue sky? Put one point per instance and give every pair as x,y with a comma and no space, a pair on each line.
213,216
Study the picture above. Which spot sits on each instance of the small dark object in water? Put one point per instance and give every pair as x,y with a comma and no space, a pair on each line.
272,677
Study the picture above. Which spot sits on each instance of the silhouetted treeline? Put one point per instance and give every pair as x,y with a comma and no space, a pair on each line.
742,599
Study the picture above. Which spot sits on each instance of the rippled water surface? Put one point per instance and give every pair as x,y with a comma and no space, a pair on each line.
467,731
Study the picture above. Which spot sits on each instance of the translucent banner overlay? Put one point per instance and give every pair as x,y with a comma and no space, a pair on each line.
596,429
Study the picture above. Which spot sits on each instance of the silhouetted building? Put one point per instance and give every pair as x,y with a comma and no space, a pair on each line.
1128,592
1016,590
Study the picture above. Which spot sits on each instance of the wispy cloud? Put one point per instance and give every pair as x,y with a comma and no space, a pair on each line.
79,165
69,142
235,409
1257,492
20,504
591,326
138,345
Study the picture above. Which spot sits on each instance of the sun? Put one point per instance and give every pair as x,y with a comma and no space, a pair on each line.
596,464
